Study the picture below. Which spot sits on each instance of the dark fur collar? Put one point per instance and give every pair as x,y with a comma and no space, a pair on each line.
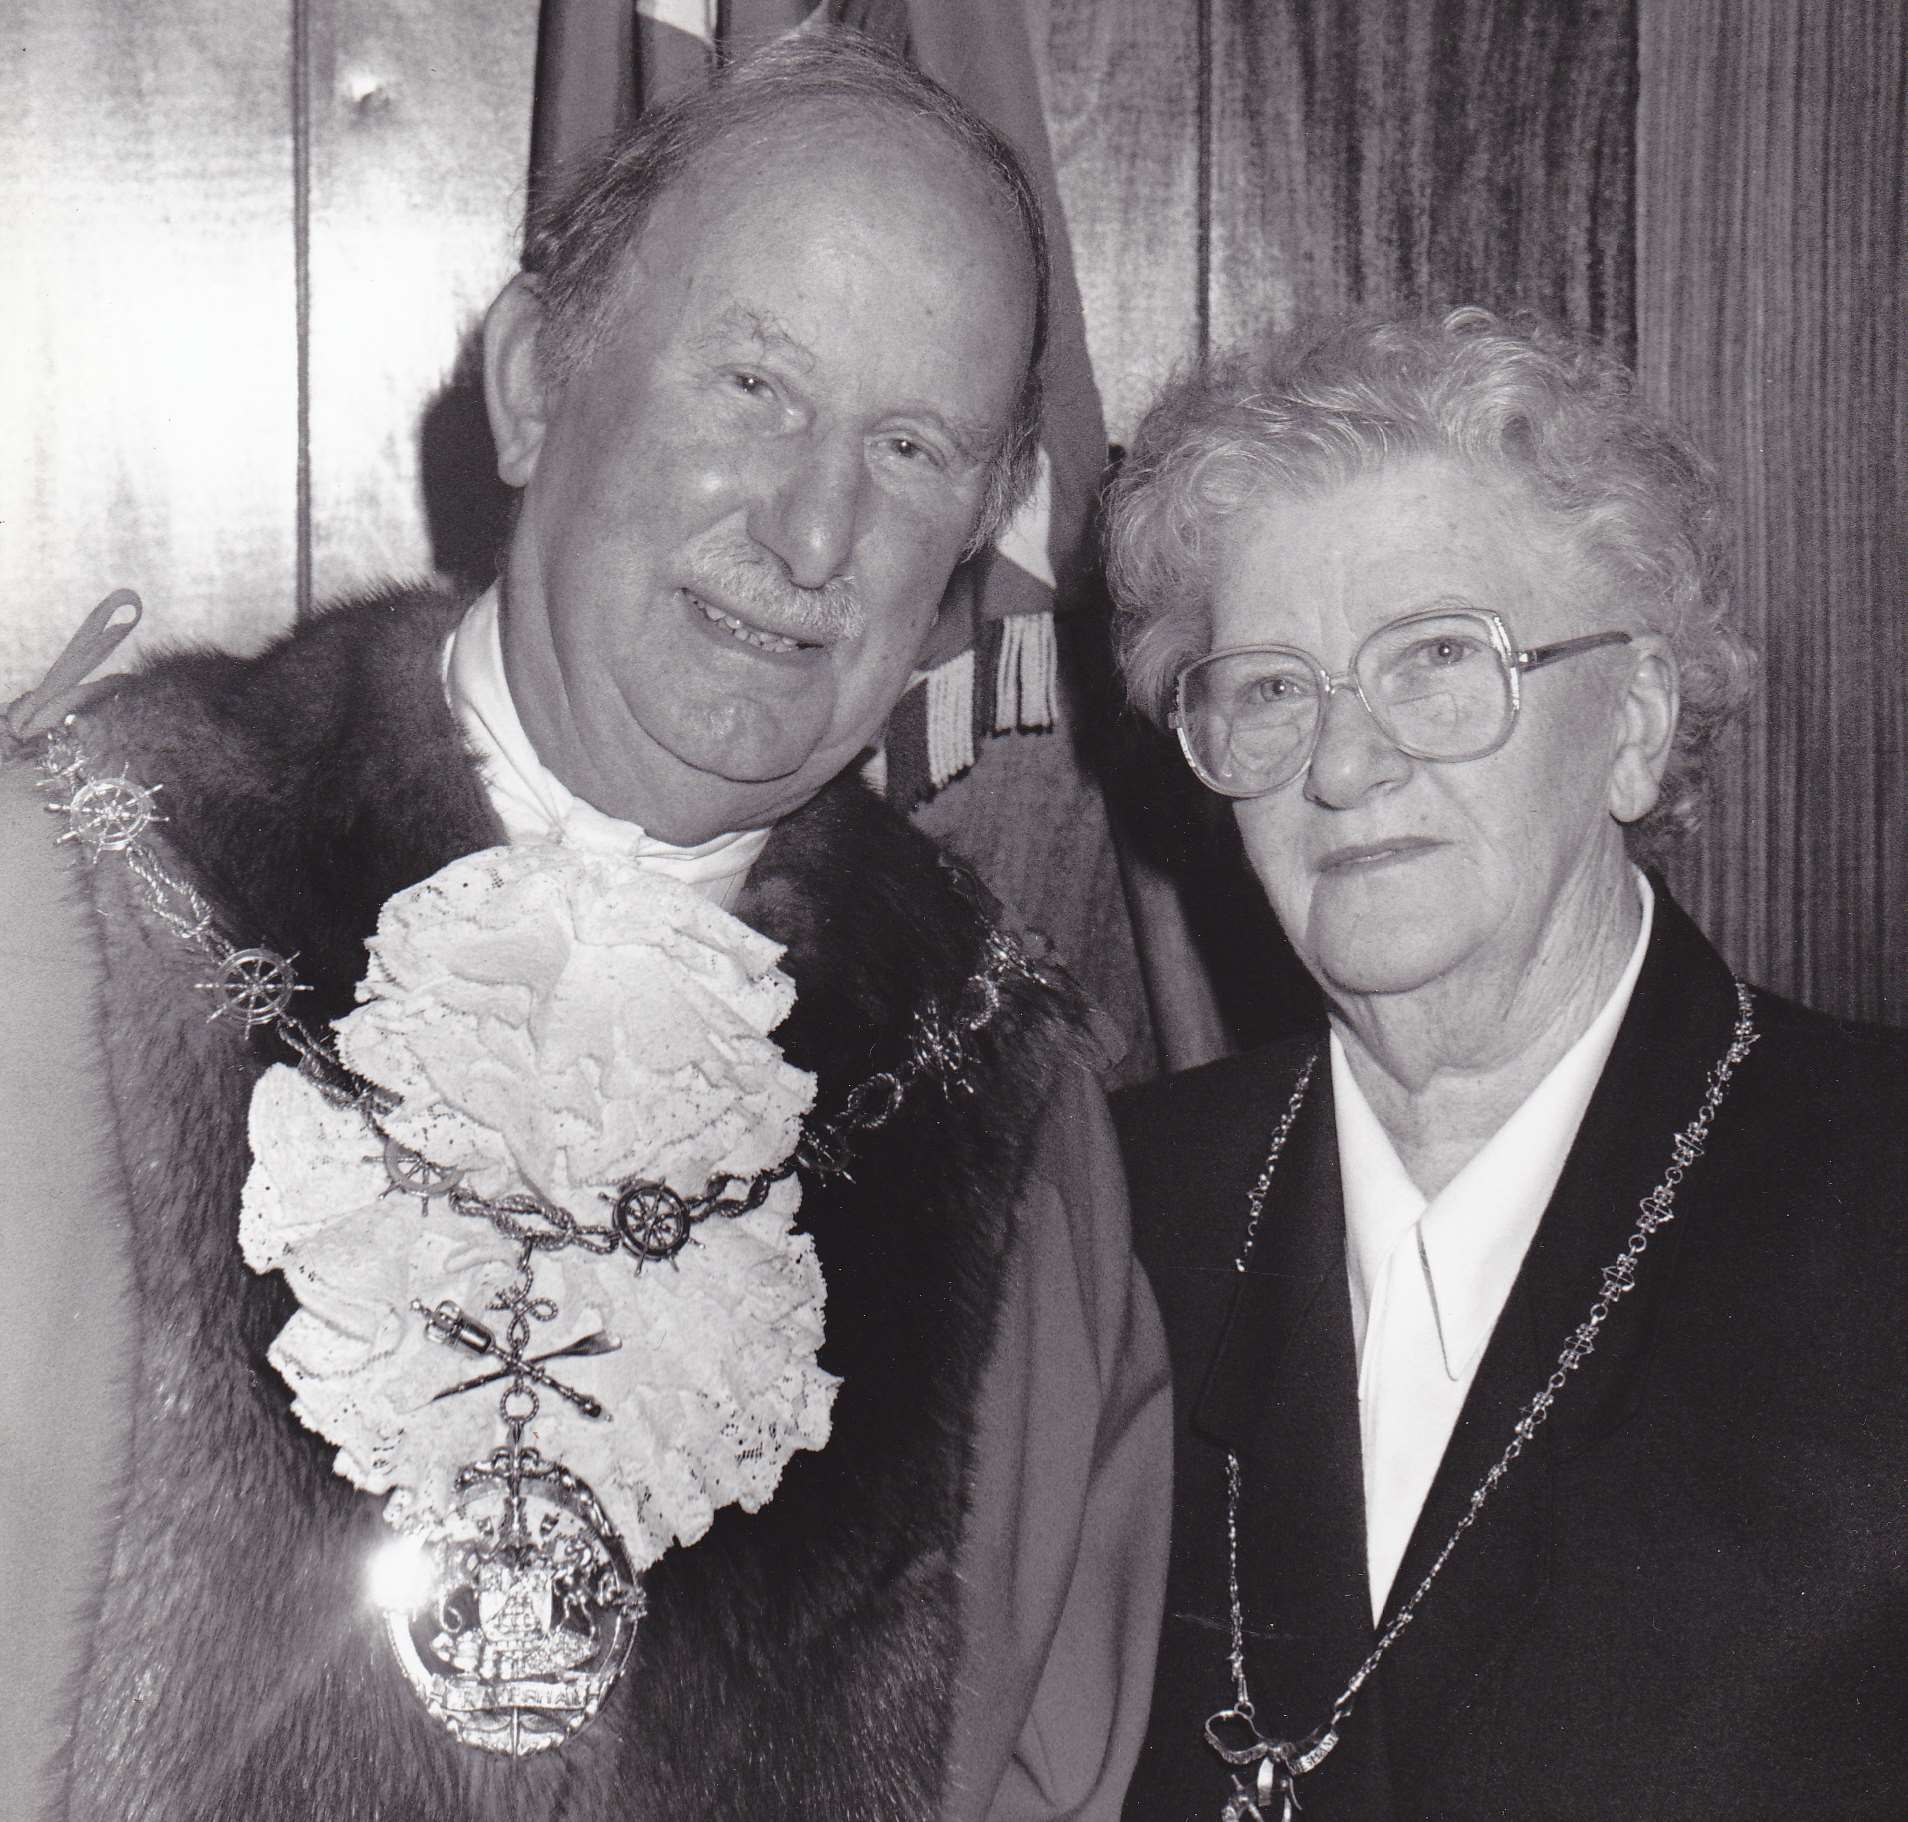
795,1663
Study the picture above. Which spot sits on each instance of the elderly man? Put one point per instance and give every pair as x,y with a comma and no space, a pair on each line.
766,1414
1537,1320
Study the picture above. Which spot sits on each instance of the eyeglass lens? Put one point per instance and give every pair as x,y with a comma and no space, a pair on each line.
1436,684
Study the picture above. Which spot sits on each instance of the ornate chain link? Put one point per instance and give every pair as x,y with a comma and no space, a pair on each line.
1255,1207
1233,1732
111,815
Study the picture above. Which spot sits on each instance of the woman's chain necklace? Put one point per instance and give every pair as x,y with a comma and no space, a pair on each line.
1233,1732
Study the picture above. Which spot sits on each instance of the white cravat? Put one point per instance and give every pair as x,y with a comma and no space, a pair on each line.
1429,1279
533,804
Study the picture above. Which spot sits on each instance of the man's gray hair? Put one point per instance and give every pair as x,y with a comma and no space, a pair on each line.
1514,400
579,239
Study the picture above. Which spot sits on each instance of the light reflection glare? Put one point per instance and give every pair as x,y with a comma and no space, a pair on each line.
402,1575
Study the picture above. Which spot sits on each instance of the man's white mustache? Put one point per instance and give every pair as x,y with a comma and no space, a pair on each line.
755,587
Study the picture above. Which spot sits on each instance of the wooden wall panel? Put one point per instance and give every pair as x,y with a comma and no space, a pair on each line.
420,120
1122,87
148,373
1773,186
1387,150
146,376
1404,153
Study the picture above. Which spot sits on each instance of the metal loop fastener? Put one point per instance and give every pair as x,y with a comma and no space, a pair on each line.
824,1153
873,1103
1228,1728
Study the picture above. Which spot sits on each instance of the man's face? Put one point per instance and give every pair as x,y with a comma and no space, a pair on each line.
741,512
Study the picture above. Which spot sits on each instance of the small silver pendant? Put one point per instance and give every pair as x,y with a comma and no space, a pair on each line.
107,815
513,1634
1255,1805
255,986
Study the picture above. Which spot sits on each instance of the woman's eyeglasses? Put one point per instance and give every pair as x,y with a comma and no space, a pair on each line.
1442,685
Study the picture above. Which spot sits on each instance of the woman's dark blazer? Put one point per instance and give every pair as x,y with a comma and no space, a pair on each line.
1689,1597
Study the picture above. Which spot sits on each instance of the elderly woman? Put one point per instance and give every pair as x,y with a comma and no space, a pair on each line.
1541,1323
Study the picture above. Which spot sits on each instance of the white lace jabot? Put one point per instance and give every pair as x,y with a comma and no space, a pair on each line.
533,804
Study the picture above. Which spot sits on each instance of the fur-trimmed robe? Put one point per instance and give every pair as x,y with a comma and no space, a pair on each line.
795,1663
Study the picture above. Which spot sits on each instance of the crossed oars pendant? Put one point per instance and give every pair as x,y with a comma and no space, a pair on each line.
448,1324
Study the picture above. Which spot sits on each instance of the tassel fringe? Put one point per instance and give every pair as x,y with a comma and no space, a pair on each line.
950,719
1007,683
1026,677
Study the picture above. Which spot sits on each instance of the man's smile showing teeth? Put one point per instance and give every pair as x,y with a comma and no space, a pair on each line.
749,635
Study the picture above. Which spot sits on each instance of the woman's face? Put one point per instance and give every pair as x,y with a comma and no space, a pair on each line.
1391,874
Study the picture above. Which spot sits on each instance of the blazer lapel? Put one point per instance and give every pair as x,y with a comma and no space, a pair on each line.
1282,1395
1492,1586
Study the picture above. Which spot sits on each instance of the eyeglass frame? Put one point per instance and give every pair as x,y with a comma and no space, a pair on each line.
1515,659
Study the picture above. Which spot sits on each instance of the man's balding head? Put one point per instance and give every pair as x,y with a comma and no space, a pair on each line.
579,239
767,379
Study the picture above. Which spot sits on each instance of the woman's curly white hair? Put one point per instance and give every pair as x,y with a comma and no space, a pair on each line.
1515,400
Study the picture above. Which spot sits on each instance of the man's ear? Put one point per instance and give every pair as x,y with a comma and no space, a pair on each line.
517,391
1647,729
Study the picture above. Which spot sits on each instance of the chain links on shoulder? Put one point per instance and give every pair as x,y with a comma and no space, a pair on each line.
648,1219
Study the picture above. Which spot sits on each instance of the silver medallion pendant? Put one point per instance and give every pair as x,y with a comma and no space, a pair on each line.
514,1629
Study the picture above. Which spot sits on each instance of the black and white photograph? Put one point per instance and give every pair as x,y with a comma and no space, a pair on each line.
983,910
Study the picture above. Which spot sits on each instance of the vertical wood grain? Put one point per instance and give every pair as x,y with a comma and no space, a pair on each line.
420,148
1412,153
146,365
1773,182
1121,82
149,373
